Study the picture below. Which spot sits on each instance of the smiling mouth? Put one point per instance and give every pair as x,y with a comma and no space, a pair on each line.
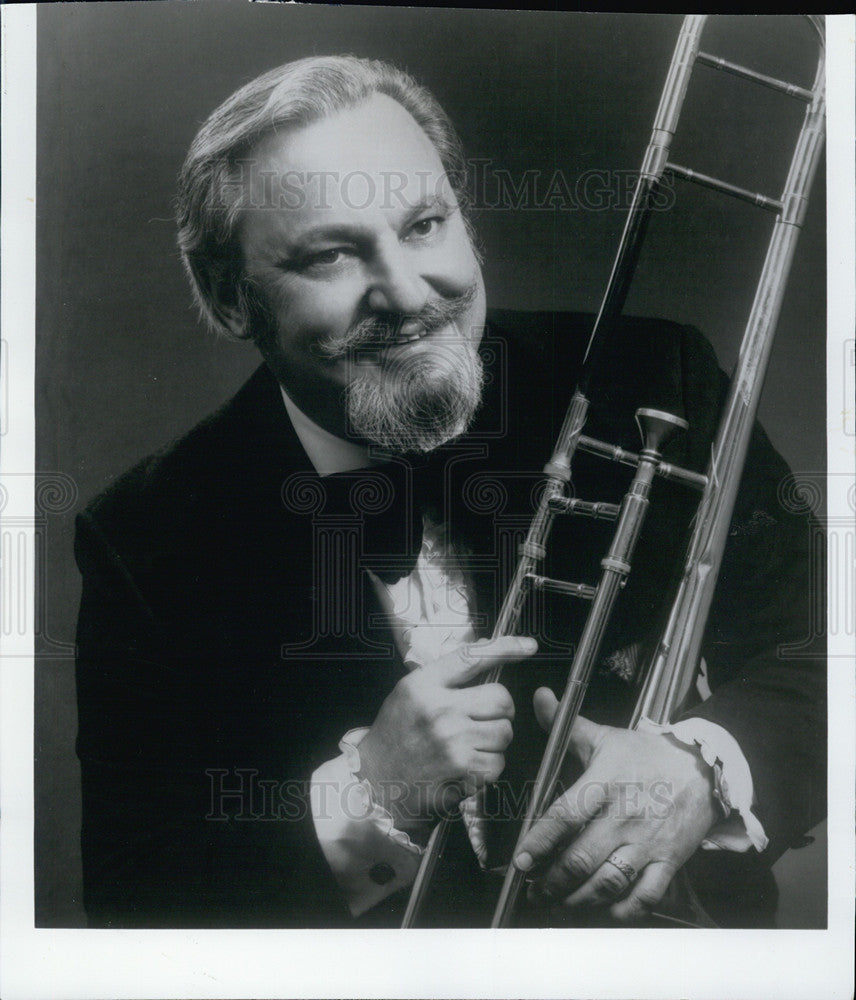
369,338
373,353
408,337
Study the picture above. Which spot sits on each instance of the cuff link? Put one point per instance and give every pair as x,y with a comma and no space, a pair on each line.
381,873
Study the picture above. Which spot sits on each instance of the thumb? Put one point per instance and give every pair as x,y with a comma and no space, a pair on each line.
585,734
545,704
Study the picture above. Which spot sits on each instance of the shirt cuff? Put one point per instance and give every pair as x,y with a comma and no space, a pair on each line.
739,829
369,858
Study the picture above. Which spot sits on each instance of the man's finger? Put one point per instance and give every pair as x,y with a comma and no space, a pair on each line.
493,736
465,664
645,894
568,814
578,862
486,701
611,879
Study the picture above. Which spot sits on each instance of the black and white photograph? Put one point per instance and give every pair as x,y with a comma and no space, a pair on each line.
437,542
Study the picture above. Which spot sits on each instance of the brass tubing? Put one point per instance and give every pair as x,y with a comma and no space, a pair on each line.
616,567
791,89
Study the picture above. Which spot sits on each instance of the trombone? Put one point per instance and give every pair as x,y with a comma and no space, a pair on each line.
678,653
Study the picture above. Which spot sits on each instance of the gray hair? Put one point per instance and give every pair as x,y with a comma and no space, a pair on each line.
298,93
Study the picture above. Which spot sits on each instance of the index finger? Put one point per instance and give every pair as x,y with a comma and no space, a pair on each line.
465,664
560,823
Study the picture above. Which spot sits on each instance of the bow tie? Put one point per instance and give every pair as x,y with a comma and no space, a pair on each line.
385,506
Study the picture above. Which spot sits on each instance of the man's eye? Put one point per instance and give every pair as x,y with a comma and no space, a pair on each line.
322,257
426,227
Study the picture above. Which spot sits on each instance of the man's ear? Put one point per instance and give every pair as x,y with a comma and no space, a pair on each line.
228,308
232,318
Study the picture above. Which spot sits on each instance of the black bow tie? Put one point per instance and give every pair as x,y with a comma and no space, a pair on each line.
385,505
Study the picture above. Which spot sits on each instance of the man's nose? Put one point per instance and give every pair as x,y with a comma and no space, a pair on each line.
396,284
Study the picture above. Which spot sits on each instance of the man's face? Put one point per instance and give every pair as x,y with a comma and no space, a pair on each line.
357,250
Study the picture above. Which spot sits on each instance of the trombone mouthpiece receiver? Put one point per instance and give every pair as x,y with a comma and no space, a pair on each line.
658,428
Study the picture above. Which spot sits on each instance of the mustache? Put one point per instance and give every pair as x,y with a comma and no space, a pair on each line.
382,329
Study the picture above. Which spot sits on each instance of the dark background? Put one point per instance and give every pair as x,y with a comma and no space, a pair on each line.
123,365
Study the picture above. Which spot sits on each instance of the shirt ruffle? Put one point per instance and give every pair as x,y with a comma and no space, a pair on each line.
367,806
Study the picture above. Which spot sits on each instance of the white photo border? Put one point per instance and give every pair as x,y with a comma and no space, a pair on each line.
42,963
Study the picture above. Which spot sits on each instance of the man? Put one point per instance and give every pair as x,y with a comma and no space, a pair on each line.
285,612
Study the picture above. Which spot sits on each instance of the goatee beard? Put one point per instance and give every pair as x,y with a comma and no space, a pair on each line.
416,404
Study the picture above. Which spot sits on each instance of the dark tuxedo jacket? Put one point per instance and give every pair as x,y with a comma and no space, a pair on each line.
229,634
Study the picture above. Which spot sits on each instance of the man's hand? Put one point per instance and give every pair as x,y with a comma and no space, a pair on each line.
435,741
646,801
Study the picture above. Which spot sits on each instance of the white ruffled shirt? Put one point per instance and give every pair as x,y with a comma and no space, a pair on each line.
430,613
